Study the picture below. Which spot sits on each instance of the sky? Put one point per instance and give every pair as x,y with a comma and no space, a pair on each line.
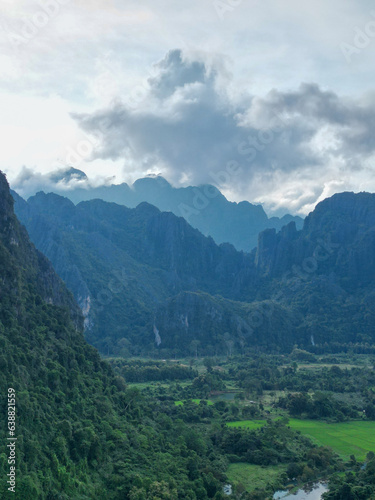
272,102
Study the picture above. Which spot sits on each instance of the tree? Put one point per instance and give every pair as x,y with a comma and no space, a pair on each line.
370,411
209,364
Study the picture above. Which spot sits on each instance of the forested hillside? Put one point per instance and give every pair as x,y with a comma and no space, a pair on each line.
81,433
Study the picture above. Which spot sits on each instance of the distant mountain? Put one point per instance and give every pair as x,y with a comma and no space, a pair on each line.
67,175
204,207
149,283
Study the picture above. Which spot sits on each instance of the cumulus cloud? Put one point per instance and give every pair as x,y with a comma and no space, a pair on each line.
174,73
286,148
181,126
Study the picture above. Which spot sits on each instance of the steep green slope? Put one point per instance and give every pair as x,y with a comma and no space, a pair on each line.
56,375
81,434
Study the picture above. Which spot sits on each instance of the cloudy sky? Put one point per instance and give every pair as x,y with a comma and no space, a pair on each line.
273,102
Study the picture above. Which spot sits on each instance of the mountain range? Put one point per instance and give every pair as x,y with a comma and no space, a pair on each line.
149,283
204,207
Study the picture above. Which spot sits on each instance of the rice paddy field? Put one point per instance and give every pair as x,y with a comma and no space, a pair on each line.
345,438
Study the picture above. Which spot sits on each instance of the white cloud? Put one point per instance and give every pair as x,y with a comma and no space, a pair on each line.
91,52
188,128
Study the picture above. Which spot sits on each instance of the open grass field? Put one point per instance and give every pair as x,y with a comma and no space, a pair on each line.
345,438
254,476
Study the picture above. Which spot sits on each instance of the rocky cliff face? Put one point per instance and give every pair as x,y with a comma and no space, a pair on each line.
191,322
349,220
276,252
157,239
337,238
15,238
345,214
52,285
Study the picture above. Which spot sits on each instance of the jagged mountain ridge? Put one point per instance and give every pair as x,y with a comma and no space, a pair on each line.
327,270
339,235
204,207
